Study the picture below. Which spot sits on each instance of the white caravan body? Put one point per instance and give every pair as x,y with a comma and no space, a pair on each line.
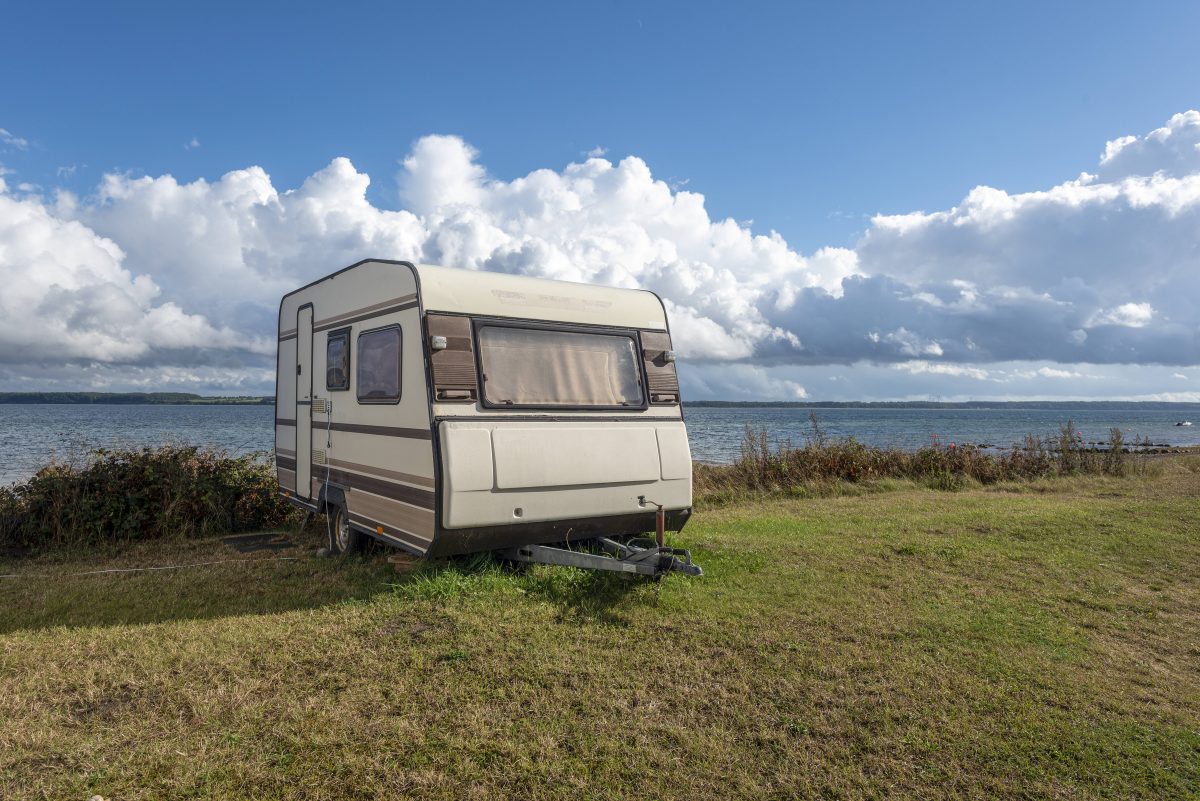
450,411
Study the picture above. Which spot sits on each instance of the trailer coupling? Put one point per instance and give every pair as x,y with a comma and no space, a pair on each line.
640,556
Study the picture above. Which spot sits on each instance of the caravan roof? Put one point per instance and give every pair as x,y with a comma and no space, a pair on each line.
499,294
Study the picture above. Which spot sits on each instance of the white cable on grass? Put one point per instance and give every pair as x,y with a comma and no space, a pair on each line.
140,569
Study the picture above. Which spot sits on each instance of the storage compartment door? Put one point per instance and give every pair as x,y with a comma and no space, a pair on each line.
509,473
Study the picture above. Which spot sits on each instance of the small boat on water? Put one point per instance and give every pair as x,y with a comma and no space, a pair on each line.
1184,423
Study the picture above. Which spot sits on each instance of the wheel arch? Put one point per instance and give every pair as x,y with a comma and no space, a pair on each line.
331,495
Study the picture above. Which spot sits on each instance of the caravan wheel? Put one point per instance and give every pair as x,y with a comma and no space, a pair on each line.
342,538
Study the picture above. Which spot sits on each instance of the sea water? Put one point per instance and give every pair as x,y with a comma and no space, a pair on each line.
31,435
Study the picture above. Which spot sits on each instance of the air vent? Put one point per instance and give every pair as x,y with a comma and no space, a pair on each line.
318,456
453,362
318,406
660,368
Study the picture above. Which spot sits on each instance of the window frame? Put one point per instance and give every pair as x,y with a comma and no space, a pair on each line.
341,333
479,323
388,401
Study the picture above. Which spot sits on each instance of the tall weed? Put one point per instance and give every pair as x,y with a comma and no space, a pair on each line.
823,461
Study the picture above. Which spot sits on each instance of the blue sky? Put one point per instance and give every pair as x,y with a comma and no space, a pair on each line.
807,120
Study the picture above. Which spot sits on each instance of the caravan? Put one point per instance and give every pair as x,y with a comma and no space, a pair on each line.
447,411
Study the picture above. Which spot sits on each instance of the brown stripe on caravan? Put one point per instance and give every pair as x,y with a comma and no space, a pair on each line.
369,315
288,334
285,463
287,478
403,537
395,475
413,496
382,431
282,452
418,522
339,319
282,421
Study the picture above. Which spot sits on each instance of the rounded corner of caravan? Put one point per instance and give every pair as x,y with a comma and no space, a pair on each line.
450,411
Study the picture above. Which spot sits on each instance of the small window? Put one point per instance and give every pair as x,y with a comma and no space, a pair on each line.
379,366
337,360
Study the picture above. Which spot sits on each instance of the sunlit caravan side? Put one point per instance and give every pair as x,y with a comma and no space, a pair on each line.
448,411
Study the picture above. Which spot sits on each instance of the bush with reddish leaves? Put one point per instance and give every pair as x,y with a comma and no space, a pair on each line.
125,495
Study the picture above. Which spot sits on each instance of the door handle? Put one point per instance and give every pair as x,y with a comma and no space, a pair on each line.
298,370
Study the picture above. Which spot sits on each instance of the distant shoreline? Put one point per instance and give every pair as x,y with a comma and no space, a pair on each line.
191,399
133,399
1098,405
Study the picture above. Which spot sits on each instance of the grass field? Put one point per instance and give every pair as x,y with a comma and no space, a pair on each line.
1023,641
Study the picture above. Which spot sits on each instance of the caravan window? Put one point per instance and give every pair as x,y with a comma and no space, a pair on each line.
547,367
379,365
337,360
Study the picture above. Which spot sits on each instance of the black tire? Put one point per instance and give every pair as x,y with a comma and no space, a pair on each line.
343,538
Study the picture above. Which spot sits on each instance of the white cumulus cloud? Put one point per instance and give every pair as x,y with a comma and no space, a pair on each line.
69,299
150,272
1130,315
1171,150
919,367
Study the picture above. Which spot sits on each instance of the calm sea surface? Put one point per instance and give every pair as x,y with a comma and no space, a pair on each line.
31,435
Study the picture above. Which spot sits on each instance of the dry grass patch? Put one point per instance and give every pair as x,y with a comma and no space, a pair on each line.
911,643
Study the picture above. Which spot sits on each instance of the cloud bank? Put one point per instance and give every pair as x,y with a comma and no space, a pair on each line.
150,277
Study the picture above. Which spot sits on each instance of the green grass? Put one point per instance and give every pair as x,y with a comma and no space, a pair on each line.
1026,641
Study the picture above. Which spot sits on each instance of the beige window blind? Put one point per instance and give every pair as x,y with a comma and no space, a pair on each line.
538,367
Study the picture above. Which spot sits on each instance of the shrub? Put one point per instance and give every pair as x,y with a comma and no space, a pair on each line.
124,495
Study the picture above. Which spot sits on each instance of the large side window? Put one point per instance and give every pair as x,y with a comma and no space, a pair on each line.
379,365
536,367
337,360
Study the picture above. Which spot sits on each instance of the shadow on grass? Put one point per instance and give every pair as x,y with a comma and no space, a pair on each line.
49,595
579,595
589,595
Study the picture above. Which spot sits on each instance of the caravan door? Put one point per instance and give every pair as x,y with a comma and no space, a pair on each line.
304,385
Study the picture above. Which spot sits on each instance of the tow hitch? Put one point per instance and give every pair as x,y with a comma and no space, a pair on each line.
642,556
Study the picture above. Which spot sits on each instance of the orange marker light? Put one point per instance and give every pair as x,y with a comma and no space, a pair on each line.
379,529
